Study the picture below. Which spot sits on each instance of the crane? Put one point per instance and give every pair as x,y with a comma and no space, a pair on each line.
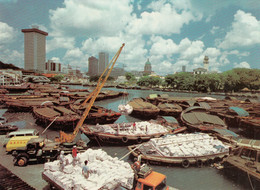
68,138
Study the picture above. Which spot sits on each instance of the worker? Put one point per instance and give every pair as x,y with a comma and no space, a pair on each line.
62,161
137,164
85,170
75,155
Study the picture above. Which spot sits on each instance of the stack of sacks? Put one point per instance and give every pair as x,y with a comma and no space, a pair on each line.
125,109
185,145
106,172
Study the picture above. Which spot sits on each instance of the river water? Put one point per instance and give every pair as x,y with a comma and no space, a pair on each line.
192,178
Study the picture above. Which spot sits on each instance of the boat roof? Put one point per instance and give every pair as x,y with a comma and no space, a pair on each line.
202,117
249,143
225,132
203,104
239,111
170,119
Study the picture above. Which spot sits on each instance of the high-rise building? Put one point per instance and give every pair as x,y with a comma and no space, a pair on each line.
184,68
206,63
34,49
102,62
92,66
148,67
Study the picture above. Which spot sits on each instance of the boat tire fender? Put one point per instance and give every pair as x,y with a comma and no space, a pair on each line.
210,161
185,163
139,140
199,163
124,139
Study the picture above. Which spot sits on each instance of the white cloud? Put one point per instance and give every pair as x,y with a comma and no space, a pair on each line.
7,33
12,56
165,18
60,42
162,46
242,65
91,18
188,49
214,29
245,31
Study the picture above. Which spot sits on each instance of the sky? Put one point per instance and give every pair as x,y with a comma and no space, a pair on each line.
170,33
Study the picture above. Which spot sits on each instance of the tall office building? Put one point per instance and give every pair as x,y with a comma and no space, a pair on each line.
34,49
102,62
92,66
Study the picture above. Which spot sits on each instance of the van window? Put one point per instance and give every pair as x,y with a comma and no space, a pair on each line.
28,134
19,135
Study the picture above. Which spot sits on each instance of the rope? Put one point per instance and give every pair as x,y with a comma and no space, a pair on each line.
250,181
50,124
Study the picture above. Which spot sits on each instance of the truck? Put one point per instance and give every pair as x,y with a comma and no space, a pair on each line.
41,150
145,179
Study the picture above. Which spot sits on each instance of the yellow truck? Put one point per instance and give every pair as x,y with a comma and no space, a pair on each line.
17,142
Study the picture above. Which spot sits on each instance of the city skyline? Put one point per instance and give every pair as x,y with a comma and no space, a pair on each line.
171,34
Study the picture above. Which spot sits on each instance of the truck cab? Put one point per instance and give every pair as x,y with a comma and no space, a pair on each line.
150,180
37,149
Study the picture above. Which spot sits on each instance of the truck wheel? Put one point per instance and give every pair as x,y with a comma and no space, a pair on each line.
22,161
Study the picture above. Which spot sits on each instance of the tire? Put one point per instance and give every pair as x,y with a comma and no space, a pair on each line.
185,163
209,161
22,161
124,139
217,160
139,140
199,163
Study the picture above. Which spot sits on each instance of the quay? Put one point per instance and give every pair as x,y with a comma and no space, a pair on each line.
10,181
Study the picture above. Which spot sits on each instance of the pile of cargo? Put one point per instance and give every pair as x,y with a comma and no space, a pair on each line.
188,145
136,128
105,172
125,109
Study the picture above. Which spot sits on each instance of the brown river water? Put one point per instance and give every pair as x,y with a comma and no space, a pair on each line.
192,178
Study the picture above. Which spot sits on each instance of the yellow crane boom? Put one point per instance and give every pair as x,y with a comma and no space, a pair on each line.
64,137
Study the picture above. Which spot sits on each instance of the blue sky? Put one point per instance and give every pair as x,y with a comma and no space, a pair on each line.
171,33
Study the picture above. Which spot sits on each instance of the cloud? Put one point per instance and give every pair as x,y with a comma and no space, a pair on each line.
12,56
60,42
7,33
91,18
161,46
214,29
242,65
245,31
164,18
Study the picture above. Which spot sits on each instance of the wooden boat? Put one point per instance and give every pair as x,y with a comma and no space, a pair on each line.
125,133
7,127
143,109
181,149
26,104
18,88
58,117
244,163
196,118
169,121
97,114
169,109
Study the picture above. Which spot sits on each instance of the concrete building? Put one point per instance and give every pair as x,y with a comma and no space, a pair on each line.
52,67
205,69
92,66
34,49
102,62
206,63
148,67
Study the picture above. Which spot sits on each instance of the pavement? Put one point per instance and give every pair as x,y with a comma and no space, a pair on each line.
31,174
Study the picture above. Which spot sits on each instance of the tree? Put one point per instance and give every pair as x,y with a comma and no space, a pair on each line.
57,78
129,76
